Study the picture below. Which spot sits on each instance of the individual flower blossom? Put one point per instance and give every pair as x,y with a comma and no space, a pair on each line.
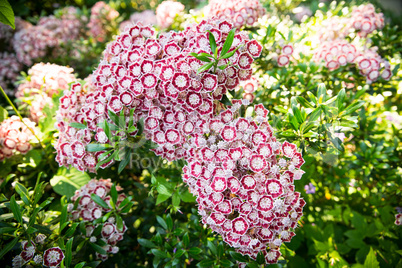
40,239
88,211
146,17
15,136
101,17
18,261
398,219
159,79
52,257
50,32
309,188
239,12
166,13
251,178
9,71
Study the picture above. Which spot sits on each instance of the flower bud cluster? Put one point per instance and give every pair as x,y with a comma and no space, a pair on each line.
239,12
243,179
398,219
365,20
166,13
88,211
340,53
15,136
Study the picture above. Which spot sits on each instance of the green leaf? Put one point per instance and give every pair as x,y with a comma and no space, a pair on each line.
226,263
201,57
106,160
186,241
3,114
195,251
230,54
228,42
169,222
238,257
146,243
225,100
162,198
126,160
315,114
119,223
113,193
80,265
71,230
163,189
68,183
205,67
212,247
297,114
114,117
371,260
304,102
206,263
63,217
8,230
162,222
8,247
179,253
186,196
321,93
159,253
23,192
69,250
340,99
98,200
353,107
94,147
312,97
212,42
15,208
7,14
77,125
176,199
98,248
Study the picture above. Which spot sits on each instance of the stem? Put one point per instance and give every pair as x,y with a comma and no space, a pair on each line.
16,111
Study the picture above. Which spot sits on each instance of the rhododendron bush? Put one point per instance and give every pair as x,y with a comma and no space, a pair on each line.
200,134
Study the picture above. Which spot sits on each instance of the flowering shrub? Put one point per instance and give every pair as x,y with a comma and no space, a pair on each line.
15,136
180,120
166,13
50,32
101,15
240,13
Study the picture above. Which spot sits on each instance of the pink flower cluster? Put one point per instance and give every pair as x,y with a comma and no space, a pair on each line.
146,17
15,136
243,179
239,12
44,81
286,54
101,15
48,78
6,32
9,70
50,32
340,53
166,13
365,20
88,211
158,78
